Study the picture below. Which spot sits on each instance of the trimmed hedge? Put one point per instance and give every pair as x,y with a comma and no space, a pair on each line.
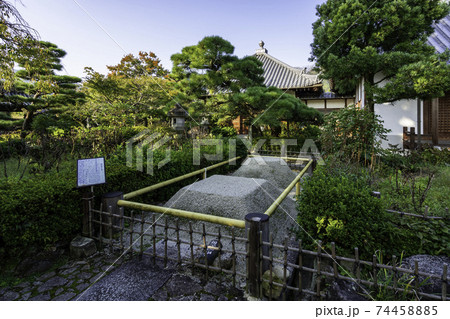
41,211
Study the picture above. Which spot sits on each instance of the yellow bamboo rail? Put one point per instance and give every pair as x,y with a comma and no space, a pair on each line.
176,179
183,213
283,195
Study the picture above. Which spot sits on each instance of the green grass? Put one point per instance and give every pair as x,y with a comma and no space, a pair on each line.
436,199
438,196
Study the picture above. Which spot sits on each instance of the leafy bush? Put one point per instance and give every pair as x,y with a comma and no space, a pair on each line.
338,207
38,212
43,210
352,135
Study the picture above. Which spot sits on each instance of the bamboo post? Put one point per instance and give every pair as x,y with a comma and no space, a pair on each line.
233,256
177,230
191,246
285,265
110,226
300,265
219,243
131,232
100,235
154,238
374,271
319,272
110,200
297,189
141,237
444,282
205,247
87,198
416,275
394,270
121,231
90,220
271,267
255,223
166,228
334,261
358,268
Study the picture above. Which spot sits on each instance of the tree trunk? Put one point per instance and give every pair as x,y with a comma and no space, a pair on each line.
370,104
27,122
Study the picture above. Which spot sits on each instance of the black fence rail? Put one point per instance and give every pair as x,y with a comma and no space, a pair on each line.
271,270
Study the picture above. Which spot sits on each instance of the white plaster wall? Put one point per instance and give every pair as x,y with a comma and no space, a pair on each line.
396,115
335,104
316,104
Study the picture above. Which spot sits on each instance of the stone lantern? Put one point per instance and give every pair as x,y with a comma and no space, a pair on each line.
178,117
204,124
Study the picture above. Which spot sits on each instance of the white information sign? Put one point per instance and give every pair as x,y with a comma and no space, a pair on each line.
91,171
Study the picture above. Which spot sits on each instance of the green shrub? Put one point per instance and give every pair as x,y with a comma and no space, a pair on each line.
338,207
45,209
38,212
352,135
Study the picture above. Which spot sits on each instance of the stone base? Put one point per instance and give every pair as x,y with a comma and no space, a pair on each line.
81,247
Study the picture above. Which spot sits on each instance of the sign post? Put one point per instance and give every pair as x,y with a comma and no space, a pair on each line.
90,172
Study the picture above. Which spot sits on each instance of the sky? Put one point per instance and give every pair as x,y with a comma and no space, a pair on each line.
97,33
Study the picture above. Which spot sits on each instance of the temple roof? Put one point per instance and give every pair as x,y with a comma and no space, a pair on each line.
440,39
281,75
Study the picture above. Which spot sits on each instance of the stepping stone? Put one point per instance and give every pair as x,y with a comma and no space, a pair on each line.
81,247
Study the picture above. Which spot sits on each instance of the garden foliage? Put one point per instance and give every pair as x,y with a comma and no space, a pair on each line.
44,210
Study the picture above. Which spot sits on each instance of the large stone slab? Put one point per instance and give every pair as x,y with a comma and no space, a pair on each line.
227,196
231,197
272,169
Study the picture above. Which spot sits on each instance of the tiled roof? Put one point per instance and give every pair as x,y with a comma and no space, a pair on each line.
283,76
440,39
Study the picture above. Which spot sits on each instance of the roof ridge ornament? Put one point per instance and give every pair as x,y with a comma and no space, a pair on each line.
261,49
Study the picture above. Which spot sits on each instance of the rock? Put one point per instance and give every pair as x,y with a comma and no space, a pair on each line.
226,261
82,287
9,296
43,297
430,265
46,276
204,297
277,276
51,283
64,297
84,275
273,169
181,285
25,296
68,271
160,295
212,288
343,290
81,247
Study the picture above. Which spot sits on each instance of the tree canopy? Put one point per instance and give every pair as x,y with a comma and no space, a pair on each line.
208,73
135,92
17,41
146,63
38,87
356,39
